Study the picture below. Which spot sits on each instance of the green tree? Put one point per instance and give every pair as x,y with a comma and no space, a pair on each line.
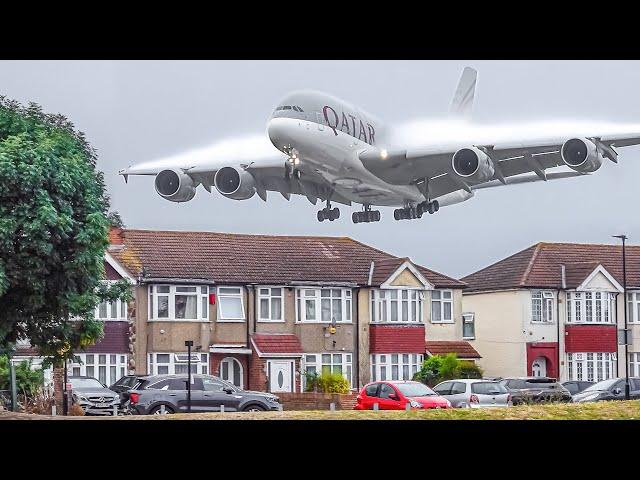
439,368
28,381
53,233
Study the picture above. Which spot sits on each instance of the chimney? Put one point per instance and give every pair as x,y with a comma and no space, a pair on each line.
115,236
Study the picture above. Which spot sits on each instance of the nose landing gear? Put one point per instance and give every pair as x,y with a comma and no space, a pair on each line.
291,166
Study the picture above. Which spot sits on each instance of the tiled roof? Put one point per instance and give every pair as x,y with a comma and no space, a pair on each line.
276,343
540,266
236,258
461,349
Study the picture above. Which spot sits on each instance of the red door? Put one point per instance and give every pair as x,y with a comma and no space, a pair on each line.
389,398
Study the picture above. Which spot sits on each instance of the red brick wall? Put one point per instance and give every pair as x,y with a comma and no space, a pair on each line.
591,338
316,401
257,376
396,338
216,358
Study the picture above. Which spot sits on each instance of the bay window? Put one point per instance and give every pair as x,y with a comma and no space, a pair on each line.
270,301
178,302
634,364
323,305
177,363
591,366
468,326
108,368
395,366
396,305
116,310
231,304
329,362
590,307
542,306
633,305
442,306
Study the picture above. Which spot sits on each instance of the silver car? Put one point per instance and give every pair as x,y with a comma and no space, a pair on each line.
474,393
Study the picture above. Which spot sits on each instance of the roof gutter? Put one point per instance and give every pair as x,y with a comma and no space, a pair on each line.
191,281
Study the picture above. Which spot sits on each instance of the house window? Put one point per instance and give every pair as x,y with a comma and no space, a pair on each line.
633,305
328,362
178,302
323,305
270,304
591,366
442,306
108,368
590,307
542,306
116,310
396,305
468,326
177,363
395,366
231,304
634,364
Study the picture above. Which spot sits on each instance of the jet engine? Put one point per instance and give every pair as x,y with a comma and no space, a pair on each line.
175,186
235,183
581,155
472,165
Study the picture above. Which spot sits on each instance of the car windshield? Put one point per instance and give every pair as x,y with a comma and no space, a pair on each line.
488,388
414,389
80,383
603,385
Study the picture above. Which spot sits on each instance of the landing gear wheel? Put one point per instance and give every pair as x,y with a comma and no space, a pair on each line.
334,214
321,215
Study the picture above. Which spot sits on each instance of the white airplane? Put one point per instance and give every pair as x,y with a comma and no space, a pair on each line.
330,150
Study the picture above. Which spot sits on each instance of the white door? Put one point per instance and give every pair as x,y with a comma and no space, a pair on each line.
539,367
281,376
231,371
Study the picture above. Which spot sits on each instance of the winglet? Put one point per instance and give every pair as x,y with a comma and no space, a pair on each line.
462,103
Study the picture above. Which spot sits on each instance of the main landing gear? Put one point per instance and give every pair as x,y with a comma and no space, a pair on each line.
328,213
411,212
366,216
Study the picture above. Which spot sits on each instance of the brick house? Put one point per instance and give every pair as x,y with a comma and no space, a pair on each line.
262,310
554,309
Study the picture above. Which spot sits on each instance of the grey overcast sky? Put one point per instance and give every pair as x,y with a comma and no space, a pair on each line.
133,111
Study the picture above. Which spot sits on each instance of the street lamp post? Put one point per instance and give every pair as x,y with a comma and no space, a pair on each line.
188,344
626,330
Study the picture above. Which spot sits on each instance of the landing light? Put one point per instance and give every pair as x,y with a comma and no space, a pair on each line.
296,161
384,154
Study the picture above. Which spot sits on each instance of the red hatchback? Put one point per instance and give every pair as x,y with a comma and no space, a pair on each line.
394,395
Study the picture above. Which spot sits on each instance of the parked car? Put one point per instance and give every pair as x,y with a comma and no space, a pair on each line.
535,390
612,389
208,394
576,386
474,393
394,395
124,385
93,396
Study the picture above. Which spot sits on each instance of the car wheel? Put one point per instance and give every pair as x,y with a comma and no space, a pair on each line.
254,408
158,410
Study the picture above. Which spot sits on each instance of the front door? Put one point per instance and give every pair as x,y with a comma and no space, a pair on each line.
281,376
539,367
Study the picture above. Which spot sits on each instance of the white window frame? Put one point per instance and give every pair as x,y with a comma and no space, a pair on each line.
269,298
545,299
469,318
382,365
587,304
202,302
591,366
315,295
387,303
224,293
198,359
442,301
121,308
633,305
634,364
84,368
315,362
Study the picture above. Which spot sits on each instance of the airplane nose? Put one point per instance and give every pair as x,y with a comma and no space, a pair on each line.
278,132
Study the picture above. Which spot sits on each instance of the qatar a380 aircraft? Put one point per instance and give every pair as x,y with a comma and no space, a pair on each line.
327,149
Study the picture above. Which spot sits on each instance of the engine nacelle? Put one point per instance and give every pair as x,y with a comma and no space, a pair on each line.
581,155
472,165
235,183
175,186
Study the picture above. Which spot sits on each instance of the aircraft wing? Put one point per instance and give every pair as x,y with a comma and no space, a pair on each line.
414,165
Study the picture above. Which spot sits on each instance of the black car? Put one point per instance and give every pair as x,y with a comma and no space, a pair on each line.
526,390
123,386
576,386
159,394
612,389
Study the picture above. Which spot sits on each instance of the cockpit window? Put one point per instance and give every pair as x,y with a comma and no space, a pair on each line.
287,107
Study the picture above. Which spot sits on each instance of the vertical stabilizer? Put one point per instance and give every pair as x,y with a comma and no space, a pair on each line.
462,103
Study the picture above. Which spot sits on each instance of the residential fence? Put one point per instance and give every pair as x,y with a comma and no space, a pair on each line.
317,401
